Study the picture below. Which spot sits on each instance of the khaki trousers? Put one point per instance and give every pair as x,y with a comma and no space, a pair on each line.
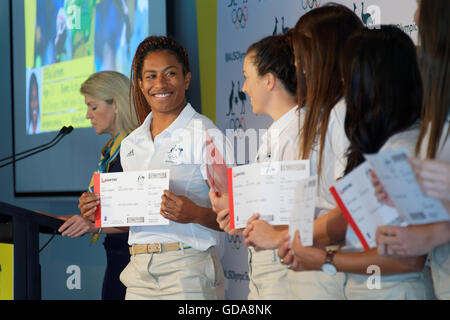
403,286
317,285
176,275
268,276
440,271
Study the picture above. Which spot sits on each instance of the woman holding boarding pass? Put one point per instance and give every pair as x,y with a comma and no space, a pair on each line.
388,118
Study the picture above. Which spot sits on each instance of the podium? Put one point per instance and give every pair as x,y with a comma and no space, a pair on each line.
20,228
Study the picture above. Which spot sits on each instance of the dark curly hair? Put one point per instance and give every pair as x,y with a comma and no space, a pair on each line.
149,45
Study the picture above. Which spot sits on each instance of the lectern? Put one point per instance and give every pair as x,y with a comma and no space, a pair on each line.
21,227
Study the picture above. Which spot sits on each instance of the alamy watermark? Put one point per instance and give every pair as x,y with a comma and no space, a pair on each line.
374,280
74,280
234,147
74,17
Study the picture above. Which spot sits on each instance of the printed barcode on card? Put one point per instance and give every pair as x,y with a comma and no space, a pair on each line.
399,157
157,175
135,220
267,217
293,167
417,215
312,183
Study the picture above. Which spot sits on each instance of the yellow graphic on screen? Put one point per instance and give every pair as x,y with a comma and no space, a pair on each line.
6,271
66,41
59,40
30,31
61,99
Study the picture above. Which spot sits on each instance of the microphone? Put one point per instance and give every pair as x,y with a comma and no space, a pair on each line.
68,129
63,130
61,134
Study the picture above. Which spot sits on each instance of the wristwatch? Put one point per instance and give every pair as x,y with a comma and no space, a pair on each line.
328,267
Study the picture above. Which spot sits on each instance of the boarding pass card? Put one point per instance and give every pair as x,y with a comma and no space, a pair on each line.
267,188
302,213
130,198
355,195
399,180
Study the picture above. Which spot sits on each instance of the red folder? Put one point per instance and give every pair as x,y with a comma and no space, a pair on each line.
230,197
216,168
98,219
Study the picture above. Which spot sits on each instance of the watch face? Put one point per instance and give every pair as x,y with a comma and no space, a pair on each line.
329,269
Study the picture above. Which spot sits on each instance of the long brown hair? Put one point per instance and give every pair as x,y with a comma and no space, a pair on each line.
434,34
318,39
147,46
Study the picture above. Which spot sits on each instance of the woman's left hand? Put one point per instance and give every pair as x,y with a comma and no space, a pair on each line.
218,201
406,241
261,235
178,208
77,226
301,258
433,177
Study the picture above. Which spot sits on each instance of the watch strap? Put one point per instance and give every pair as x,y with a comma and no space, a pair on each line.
330,256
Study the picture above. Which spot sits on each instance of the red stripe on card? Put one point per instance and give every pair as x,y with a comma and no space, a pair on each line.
98,213
349,218
230,196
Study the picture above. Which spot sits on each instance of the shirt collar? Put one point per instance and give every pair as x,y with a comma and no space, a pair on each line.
180,122
283,122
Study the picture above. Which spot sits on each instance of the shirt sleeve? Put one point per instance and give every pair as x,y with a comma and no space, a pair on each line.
338,140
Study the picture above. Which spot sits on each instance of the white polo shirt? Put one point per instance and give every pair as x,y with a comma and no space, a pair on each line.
287,142
440,256
180,148
281,141
443,152
334,159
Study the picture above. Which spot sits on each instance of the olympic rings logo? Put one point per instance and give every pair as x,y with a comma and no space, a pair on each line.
236,124
311,3
234,241
239,17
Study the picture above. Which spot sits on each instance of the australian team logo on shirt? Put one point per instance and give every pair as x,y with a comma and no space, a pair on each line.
174,154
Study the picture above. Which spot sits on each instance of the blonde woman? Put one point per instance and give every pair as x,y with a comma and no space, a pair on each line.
106,96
